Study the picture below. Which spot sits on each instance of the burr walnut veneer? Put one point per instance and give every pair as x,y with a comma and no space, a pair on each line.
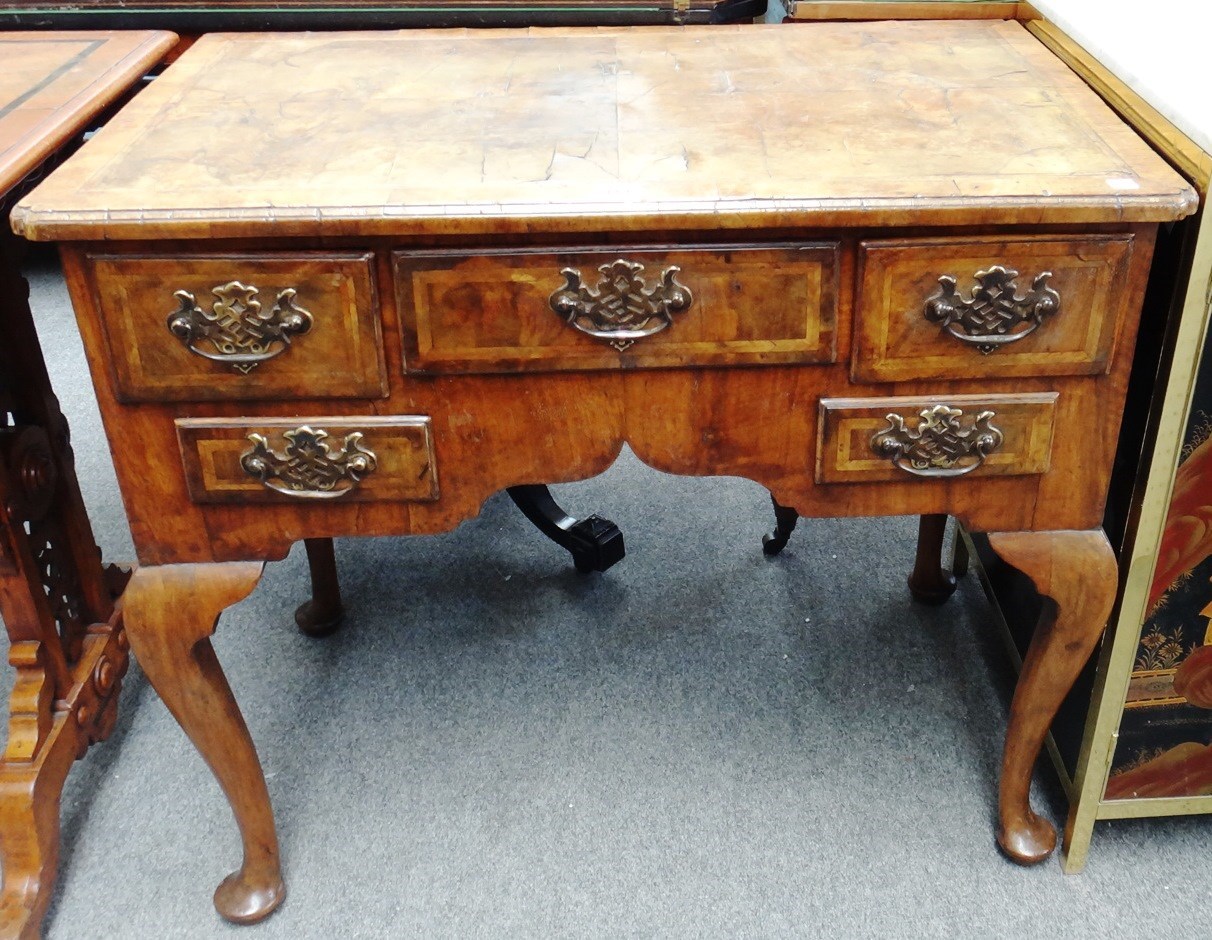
65,633
355,283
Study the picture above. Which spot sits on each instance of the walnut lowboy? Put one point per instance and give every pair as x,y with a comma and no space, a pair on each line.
868,317
705,358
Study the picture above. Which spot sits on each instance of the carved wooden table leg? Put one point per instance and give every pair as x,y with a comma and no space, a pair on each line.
929,582
594,543
321,615
785,519
57,602
31,843
171,613
1077,571
30,787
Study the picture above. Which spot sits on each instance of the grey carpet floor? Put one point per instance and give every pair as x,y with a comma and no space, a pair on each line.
701,742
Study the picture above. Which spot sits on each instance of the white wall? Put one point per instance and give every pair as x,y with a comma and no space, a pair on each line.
1162,48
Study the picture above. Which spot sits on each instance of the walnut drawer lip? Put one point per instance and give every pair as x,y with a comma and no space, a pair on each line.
340,355
895,340
405,471
491,310
847,425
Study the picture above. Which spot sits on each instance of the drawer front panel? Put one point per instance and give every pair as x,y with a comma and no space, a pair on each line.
989,307
517,311
241,327
865,440
308,460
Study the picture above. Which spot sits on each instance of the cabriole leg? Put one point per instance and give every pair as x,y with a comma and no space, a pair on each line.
321,615
1077,572
171,613
929,582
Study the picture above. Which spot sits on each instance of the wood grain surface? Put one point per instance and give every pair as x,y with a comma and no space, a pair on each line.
894,341
464,131
404,467
903,10
52,83
467,167
338,357
847,425
490,311
494,431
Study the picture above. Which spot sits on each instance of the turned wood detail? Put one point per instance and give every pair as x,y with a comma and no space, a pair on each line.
171,613
52,585
30,787
929,582
321,614
1078,573
594,543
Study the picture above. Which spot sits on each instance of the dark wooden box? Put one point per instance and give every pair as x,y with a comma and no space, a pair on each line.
200,16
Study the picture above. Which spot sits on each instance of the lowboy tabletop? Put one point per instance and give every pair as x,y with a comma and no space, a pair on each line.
353,284
488,131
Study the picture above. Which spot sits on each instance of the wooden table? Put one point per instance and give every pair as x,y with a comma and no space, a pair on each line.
66,640
878,268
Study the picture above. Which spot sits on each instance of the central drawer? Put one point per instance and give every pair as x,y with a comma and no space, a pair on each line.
549,310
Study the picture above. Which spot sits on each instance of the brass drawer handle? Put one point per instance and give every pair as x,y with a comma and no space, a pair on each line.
994,314
309,467
941,446
235,330
621,308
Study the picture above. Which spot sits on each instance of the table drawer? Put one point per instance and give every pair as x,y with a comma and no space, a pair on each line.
247,460
864,440
241,326
989,307
542,311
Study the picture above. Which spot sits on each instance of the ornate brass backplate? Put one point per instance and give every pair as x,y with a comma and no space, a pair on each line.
994,315
621,308
941,445
309,467
236,330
